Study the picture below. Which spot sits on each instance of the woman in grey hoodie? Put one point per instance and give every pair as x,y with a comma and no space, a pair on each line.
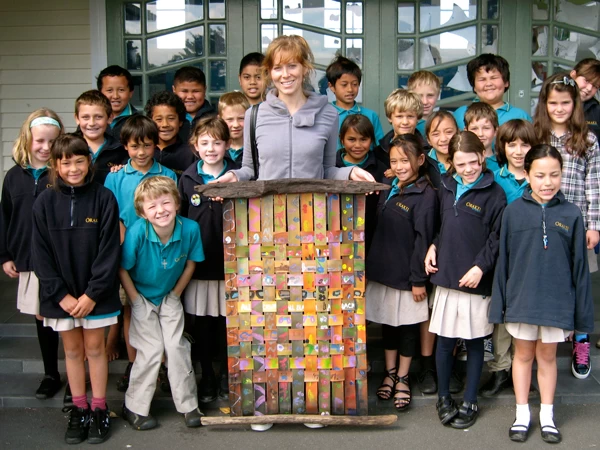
296,131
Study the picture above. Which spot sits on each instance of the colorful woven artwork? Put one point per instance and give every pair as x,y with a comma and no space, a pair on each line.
295,284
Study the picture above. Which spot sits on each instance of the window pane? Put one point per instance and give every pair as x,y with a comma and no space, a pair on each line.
539,72
354,17
218,43
267,34
489,39
539,41
323,46
217,75
540,10
163,14
446,47
133,18
574,46
133,54
216,9
454,81
582,15
354,50
176,47
489,9
406,54
406,17
136,99
268,9
163,81
325,14
443,13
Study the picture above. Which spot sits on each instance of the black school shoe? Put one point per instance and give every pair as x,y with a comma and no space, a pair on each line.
137,421
428,382
68,399
48,387
466,417
446,409
499,381
123,382
77,429
193,418
99,426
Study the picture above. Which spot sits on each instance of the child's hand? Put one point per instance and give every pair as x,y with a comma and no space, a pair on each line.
472,278
389,173
114,169
10,269
592,238
419,293
85,306
68,303
430,260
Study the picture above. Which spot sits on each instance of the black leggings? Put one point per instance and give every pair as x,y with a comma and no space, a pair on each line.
211,341
48,339
444,357
403,338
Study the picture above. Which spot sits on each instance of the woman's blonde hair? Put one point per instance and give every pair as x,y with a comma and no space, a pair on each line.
284,49
23,142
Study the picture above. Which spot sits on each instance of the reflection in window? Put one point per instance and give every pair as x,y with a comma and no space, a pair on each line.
438,13
216,9
174,47
268,9
354,17
325,14
133,18
163,14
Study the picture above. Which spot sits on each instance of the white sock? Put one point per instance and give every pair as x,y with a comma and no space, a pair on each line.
523,416
546,415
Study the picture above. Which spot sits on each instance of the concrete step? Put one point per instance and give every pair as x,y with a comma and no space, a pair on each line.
18,391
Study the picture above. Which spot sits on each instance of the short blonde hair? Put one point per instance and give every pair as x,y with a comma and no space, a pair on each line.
284,49
152,188
23,142
403,100
479,110
424,77
234,98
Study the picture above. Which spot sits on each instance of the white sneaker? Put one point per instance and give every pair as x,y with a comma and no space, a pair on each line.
261,426
314,425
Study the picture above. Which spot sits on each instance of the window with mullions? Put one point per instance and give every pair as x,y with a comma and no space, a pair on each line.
331,27
442,36
563,33
159,37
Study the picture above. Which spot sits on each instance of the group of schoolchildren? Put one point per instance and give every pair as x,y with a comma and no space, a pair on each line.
107,220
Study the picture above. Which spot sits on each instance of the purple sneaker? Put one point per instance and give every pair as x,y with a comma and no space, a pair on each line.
581,365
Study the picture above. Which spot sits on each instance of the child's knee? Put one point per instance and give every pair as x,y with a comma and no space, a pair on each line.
74,352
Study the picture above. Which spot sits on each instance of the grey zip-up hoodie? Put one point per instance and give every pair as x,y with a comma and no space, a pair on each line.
298,146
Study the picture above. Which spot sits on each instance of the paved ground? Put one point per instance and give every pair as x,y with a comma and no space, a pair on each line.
416,429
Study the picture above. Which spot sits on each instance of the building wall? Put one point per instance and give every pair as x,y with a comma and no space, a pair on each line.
45,60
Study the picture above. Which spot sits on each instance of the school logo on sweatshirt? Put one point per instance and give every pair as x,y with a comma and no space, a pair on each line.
562,225
195,200
91,220
403,206
473,207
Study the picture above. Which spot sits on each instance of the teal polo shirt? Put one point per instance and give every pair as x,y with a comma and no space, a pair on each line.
95,155
206,177
509,183
421,127
36,173
505,113
491,162
235,154
369,114
123,184
433,155
155,267
126,112
462,188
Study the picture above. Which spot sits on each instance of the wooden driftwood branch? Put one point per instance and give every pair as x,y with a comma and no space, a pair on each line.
253,189
388,419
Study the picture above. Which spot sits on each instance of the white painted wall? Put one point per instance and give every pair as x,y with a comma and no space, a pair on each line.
45,60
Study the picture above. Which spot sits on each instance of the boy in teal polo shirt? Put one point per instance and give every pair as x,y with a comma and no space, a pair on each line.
139,136
158,260
489,76
116,83
343,78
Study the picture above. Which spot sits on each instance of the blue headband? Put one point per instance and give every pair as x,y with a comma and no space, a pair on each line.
44,121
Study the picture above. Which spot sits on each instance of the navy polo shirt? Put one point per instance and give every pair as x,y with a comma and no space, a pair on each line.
155,267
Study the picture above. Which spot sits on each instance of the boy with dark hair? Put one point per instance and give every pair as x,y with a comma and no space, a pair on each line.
117,84
168,113
489,76
251,77
343,78
159,256
92,115
587,76
190,86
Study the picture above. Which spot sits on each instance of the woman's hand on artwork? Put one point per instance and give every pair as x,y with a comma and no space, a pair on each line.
68,303
430,260
359,174
419,293
472,278
592,238
228,177
85,306
10,269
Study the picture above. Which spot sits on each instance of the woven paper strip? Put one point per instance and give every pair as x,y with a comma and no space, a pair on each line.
294,279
